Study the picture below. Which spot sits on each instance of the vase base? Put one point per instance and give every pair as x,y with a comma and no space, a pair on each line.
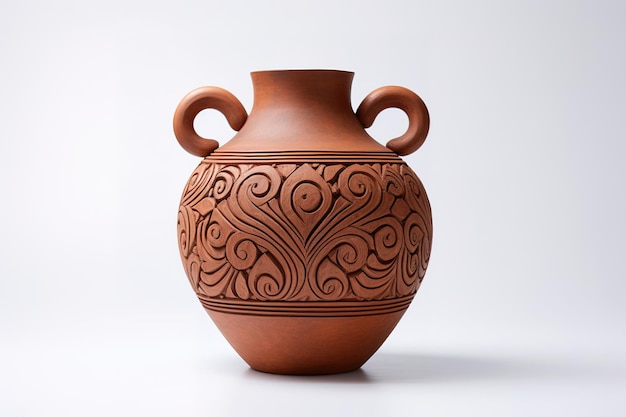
305,345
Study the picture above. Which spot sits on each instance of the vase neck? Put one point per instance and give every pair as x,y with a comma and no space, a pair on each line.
302,110
318,90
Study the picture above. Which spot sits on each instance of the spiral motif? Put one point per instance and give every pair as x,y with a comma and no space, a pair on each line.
213,233
351,251
415,193
266,279
192,269
186,230
224,181
241,252
305,199
413,232
424,256
198,185
388,239
330,281
305,232
392,182
257,186
359,182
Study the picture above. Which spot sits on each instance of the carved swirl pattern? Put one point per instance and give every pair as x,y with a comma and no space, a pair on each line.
304,232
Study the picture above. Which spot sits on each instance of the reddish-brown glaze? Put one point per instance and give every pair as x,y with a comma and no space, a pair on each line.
406,100
193,103
303,237
305,345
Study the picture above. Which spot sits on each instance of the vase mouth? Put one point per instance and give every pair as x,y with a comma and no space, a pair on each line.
301,70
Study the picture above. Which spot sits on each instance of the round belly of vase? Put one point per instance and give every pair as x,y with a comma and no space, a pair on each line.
305,267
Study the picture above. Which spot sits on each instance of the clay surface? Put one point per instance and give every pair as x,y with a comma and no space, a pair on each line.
303,237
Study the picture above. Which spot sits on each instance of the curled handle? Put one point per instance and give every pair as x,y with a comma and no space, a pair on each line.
405,100
193,103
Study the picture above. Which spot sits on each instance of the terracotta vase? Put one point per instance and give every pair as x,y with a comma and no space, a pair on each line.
304,238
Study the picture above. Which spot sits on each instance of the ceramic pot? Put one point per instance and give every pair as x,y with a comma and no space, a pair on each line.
303,237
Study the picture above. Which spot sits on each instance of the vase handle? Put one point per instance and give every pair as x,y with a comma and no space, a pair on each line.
406,100
193,103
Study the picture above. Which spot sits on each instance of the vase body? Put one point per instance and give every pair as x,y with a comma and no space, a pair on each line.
304,238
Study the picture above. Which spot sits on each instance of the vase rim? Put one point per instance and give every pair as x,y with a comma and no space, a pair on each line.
302,70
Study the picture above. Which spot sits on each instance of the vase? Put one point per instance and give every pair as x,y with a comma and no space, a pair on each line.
303,237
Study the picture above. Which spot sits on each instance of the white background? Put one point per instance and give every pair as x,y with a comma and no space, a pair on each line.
522,309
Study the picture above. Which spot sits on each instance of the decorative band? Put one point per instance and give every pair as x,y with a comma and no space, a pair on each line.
303,156
307,308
